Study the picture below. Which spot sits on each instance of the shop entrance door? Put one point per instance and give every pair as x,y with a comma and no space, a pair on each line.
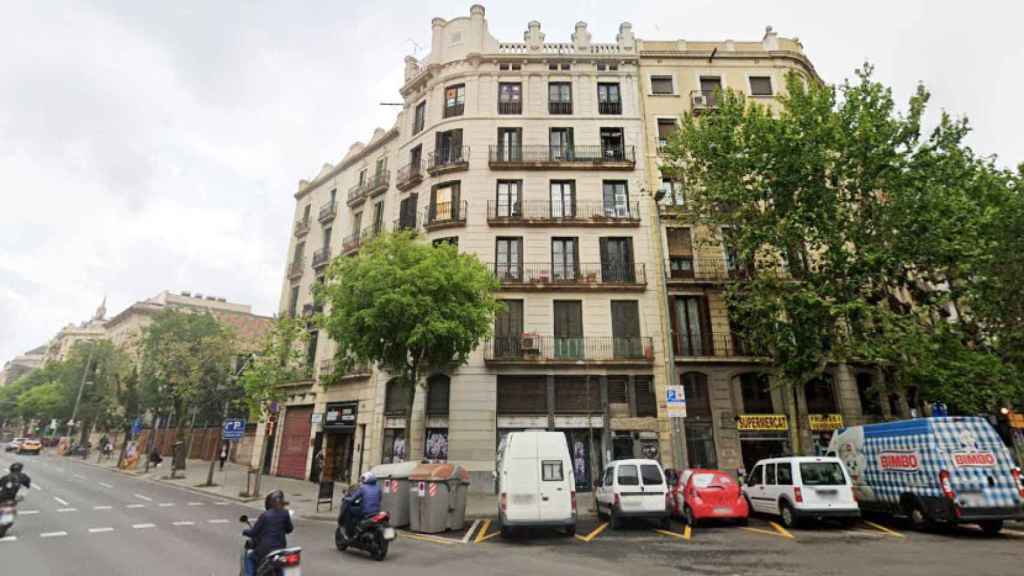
759,448
338,460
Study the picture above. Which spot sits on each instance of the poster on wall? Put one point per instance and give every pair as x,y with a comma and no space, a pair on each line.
394,445
436,449
580,458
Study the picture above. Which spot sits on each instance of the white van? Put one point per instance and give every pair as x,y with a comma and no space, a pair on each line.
798,487
633,489
536,485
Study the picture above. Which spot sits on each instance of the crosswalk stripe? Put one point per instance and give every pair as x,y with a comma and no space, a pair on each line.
165,504
27,512
67,509
195,504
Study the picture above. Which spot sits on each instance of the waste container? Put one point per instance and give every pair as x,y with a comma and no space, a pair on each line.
394,490
437,497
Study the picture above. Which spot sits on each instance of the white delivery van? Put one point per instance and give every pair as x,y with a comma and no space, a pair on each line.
536,485
633,489
952,470
795,488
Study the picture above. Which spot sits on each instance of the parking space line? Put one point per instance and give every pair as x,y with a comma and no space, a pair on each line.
761,531
785,533
67,509
102,507
1017,533
427,538
9,539
469,533
218,521
196,504
672,534
686,532
482,532
594,534
61,502
135,506
184,523
165,504
27,512
884,529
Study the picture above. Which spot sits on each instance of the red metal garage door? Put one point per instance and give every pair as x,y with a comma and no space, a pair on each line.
295,442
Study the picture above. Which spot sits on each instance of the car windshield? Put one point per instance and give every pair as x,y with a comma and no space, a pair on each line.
822,474
651,474
703,480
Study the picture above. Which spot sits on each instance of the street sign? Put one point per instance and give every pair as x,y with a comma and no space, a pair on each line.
234,429
675,401
136,427
317,417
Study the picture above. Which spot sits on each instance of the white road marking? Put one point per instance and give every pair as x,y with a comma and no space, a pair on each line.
165,504
9,539
105,485
141,526
223,504
27,512
195,503
218,521
102,507
59,469
98,530
79,476
141,497
52,534
67,509
135,506
184,523
37,487
59,501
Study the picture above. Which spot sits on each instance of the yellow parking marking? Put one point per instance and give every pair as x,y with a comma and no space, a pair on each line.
785,533
469,533
593,534
489,536
686,532
482,532
884,529
761,531
426,538
672,534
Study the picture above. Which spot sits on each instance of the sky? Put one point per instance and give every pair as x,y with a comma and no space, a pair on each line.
152,146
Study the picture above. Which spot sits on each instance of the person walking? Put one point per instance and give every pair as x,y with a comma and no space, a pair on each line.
225,449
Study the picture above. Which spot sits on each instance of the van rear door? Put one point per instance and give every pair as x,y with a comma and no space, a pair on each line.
825,485
654,487
522,479
557,484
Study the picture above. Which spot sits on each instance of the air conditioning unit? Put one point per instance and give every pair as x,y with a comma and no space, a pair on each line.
529,343
699,100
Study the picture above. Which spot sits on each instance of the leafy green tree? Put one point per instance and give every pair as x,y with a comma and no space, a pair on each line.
104,367
42,403
407,306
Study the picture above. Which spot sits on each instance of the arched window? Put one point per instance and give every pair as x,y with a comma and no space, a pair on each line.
870,400
438,390
755,387
698,399
819,395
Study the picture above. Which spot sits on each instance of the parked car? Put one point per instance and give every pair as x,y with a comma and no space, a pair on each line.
632,489
801,487
697,494
536,482
30,446
13,445
949,470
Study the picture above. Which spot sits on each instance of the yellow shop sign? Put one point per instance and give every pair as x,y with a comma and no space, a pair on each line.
825,422
762,422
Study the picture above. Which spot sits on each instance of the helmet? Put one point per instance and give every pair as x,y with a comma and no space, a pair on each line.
274,498
16,468
368,478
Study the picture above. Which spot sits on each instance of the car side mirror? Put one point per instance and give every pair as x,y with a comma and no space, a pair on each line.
243,518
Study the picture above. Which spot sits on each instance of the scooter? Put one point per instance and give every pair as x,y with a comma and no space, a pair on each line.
373,534
8,512
283,562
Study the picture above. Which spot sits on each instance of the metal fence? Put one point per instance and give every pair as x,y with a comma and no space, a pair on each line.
536,348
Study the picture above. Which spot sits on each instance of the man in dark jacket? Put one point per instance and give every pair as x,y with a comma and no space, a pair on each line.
12,482
268,534
362,503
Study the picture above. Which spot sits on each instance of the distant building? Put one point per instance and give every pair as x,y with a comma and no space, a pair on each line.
22,364
93,329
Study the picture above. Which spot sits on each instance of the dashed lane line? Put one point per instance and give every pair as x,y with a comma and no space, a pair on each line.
102,507
67,509
105,485
100,530
218,521
183,523
142,526
223,504
165,504
52,534
196,503
135,506
27,512
9,539
141,497
61,502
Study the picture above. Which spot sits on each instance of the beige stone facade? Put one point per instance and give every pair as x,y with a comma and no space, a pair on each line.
22,364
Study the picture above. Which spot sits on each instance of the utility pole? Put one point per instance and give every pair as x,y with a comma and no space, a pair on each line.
81,386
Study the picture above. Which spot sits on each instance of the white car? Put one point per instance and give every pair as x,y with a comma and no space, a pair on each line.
632,489
799,487
13,445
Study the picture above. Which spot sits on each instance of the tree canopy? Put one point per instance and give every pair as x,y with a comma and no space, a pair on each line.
279,360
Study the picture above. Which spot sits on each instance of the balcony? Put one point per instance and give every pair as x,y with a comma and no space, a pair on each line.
446,215
321,257
704,101
581,277
510,107
351,243
542,157
310,310
329,375
295,269
609,107
409,176
533,349
718,347
302,227
560,108
682,270
447,160
328,212
406,224
543,213
371,187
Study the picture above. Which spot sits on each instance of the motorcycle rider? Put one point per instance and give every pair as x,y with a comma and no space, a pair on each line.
12,482
268,534
362,503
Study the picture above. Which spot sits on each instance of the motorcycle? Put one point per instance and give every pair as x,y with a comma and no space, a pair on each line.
373,534
283,562
8,512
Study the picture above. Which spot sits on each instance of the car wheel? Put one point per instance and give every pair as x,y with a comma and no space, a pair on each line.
788,515
742,521
918,517
615,518
570,531
505,532
340,542
666,523
991,527
688,516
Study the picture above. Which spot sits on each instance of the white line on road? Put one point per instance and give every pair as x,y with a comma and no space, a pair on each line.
98,530
52,534
102,507
223,504
37,487
9,539
59,469
141,497
184,523
465,539
135,506
165,504
79,476
105,485
59,501
27,512
67,509
218,521
195,504
141,526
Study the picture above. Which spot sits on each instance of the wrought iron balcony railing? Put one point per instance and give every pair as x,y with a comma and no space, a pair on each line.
533,348
569,275
527,212
604,156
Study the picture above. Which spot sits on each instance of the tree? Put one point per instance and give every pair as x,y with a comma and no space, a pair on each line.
408,307
279,359
103,367
857,234
42,403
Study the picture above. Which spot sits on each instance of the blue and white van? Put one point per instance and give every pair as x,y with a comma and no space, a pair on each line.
952,470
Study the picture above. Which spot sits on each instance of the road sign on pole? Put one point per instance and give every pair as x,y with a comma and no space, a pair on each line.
234,429
675,400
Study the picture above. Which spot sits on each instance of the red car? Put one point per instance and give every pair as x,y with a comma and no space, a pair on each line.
697,494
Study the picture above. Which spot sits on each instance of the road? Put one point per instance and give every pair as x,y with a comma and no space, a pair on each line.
82,519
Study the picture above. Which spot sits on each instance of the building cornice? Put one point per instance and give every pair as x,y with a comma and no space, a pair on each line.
347,162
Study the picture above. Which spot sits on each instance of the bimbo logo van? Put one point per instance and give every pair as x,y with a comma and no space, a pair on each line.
899,460
984,459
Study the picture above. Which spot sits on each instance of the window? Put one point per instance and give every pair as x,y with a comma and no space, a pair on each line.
760,86
626,342
436,448
785,474
769,474
510,145
522,394
381,168
617,389
700,442
396,397
627,475
300,250
870,400
378,218
710,86
454,100
508,203
293,302
680,252
755,477
510,98
666,128
564,259
446,241
551,471
662,85
508,259
756,391
314,335
419,116
565,66
327,239
698,400
651,474
692,326
362,177
819,395
568,321
609,99
560,141
822,474
613,144
563,199
357,222
617,260
577,395
438,391
646,401
672,193
616,199
407,212
559,98
416,157
508,329
444,204
608,476
305,213
448,148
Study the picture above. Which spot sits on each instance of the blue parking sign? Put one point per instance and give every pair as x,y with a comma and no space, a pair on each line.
234,429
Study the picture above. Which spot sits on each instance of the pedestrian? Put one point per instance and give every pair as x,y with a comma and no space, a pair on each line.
319,461
154,458
225,447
